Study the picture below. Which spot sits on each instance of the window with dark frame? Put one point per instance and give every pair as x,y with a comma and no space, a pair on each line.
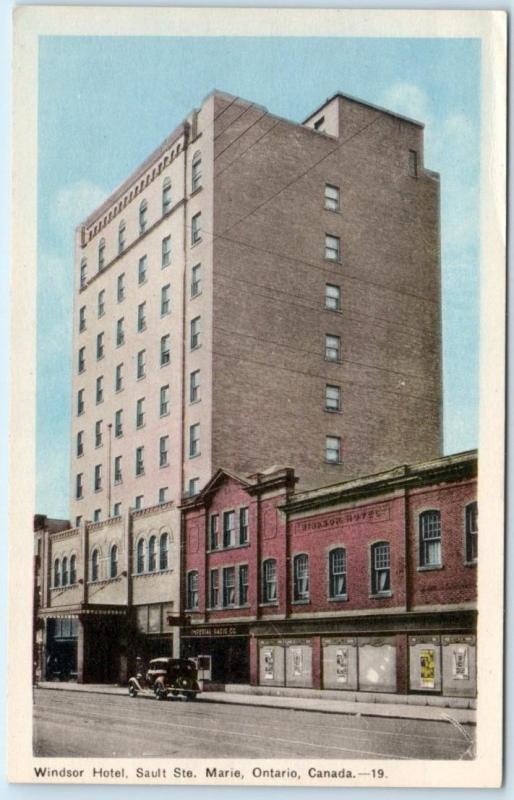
143,220
120,332
98,433
196,280
229,528
141,269
140,373
166,252
430,538
120,288
333,450
117,469
301,578
214,588
152,553
331,197
337,573
99,346
166,196
229,587
140,558
243,584
140,464
243,526
114,562
196,228
95,565
163,551
192,590
98,478
121,236
163,451
332,397
140,413
196,171
81,360
269,580
165,350
380,568
118,423
472,532
332,247
332,348
214,541
332,297
194,386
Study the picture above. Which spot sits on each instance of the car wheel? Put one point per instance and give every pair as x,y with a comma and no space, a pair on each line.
160,692
132,690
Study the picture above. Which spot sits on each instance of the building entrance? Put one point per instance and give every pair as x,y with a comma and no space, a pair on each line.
230,656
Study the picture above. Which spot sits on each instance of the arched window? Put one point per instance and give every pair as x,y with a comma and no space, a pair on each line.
192,590
114,561
64,571
101,254
152,554
337,573
140,562
57,572
143,209
95,558
472,532
301,577
196,171
73,569
380,568
430,539
83,273
269,580
163,551
166,196
121,236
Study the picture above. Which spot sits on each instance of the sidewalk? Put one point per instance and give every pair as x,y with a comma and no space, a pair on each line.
393,710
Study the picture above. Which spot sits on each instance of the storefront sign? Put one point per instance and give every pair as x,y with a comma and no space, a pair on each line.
269,664
342,665
427,668
203,631
377,513
461,663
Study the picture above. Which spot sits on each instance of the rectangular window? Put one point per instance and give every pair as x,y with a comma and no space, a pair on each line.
337,572
116,511
164,404
332,248
121,237
193,487
138,503
82,319
78,521
196,280
214,542
98,433
141,319
301,577
100,389
229,528
163,451
195,333
120,287
118,379
80,401
166,252
140,414
430,539
82,360
118,423
165,300
381,568
101,303
413,164
243,526
80,443
97,516
101,254
472,532
165,350
99,346
196,229
332,398
141,365
98,477
332,348
192,590
229,586
243,585
333,450
214,588
196,171
331,197
141,270
140,464
194,386
166,196
120,333
194,440
269,581
318,125
83,274
143,218
117,470
163,498
78,486
332,297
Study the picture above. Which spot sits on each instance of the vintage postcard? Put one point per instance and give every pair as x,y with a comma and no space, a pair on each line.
257,433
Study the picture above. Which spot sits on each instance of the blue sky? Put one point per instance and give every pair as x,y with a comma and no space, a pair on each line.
105,103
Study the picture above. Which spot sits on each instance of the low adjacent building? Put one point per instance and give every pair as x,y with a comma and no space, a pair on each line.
367,585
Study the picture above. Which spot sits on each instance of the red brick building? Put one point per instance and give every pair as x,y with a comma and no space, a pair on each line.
367,585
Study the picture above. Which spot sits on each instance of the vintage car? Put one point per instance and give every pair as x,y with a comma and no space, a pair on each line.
164,677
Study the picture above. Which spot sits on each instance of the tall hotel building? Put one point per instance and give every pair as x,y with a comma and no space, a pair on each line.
258,292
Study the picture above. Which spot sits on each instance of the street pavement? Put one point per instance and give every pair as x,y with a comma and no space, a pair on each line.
76,724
